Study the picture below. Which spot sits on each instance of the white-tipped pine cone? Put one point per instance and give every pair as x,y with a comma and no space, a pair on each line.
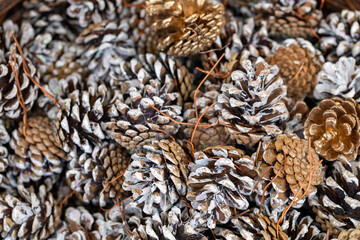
252,108
340,79
157,177
220,180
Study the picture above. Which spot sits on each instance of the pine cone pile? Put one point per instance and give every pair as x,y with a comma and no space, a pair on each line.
179,119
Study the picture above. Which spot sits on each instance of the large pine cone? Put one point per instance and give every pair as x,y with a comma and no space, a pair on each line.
288,18
340,79
220,180
337,203
205,136
299,62
251,109
334,128
157,177
134,122
290,161
89,173
37,154
340,35
185,27
79,116
28,213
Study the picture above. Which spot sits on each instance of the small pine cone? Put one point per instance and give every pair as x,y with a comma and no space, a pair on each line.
341,79
337,204
255,40
205,136
134,122
288,157
288,18
220,180
334,128
79,223
303,228
104,44
79,117
340,35
299,62
186,27
166,226
170,70
37,154
157,177
352,234
254,225
9,103
251,109
28,213
89,173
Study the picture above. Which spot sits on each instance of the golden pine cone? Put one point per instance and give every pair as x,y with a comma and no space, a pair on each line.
289,157
352,234
185,27
334,129
298,62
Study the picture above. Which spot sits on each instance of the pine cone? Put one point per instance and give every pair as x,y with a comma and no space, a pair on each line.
28,213
251,109
157,177
4,163
165,225
220,180
4,135
254,225
79,223
134,122
104,44
341,79
288,157
185,27
37,154
9,103
299,112
340,35
288,18
352,234
52,29
336,204
89,173
204,136
334,129
298,62
79,116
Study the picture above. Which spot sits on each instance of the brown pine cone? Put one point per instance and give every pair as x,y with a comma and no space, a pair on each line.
220,180
157,177
288,18
37,154
89,173
134,122
290,161
205,136
251,108
299,62
28,213
334,128
185,27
